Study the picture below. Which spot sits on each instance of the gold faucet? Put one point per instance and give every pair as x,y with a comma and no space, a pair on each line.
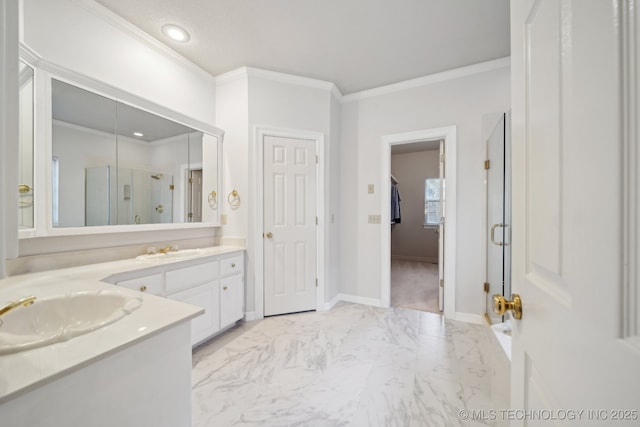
168,248
21,302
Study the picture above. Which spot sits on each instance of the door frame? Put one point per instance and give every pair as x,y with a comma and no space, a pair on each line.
260,132
448,134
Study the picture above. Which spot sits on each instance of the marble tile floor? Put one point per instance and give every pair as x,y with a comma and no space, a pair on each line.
352,366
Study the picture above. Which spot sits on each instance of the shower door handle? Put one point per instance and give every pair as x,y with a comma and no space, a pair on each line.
493,232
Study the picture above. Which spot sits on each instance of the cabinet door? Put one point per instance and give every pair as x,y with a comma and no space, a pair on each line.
206,296
152,284
231,300
187,277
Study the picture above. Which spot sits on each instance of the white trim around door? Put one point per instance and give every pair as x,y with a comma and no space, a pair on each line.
448,134
258,229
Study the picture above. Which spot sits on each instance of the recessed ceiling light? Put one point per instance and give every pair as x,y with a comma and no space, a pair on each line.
176,33
138,134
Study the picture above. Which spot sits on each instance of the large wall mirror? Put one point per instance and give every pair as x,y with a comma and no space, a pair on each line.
114,164
25,163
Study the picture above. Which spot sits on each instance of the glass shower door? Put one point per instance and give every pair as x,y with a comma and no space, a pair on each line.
498,214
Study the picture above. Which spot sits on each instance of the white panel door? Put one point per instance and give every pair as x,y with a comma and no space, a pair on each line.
441,232
575,347
289,225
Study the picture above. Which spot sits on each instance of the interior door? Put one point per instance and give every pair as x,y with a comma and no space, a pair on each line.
497,226
441,232
195,191
576,346
289,225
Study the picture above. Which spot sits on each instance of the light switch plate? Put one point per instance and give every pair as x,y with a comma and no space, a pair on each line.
223,219
374,219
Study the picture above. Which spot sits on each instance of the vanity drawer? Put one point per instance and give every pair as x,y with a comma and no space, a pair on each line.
232,265
149,284
188,277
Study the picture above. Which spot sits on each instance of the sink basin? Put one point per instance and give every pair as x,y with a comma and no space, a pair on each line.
60,318
171,256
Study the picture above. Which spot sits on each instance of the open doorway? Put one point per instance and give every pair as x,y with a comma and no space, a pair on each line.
447,222
417,204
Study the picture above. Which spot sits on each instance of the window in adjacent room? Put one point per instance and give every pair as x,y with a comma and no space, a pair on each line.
431,202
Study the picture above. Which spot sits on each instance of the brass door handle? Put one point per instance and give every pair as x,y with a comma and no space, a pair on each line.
269,235
501,305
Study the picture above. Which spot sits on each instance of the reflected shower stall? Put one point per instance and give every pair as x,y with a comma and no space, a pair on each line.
142,197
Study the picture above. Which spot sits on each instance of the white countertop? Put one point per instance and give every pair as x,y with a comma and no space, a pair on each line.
24,371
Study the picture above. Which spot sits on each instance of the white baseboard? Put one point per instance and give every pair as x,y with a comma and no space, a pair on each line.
358,300
469,318
329,305
414,258
249,316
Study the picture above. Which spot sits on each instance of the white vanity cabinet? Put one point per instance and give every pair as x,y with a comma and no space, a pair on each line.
152,284
231,290
215,283
198,285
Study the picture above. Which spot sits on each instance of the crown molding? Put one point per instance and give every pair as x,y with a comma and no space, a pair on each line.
29,55
232,76
128,28
456,73
246,72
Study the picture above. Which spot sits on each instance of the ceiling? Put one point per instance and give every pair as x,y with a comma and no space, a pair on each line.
416,147
83,108
357,44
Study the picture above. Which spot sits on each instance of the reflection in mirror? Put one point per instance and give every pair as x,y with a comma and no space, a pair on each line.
84,157
25,165
194,177
117,164
149,150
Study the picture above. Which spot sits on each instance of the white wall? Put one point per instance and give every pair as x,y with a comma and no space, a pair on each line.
461,102
77,35
410,240
333,199
82,41
8,130
248,98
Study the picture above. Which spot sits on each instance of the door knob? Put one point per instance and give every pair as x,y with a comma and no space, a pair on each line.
501,305
269,235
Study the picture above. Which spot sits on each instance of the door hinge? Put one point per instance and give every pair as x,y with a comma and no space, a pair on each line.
172,187
442,283
316,220
487,319
316,283
316,159
443,158
190,180
487,164
485,287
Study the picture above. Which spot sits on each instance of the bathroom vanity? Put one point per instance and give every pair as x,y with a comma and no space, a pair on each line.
137,370
212,279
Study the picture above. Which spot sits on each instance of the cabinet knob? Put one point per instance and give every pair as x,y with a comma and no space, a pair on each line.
143,288
233,265
224,288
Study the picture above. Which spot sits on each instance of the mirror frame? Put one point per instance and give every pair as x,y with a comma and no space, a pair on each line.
44,72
